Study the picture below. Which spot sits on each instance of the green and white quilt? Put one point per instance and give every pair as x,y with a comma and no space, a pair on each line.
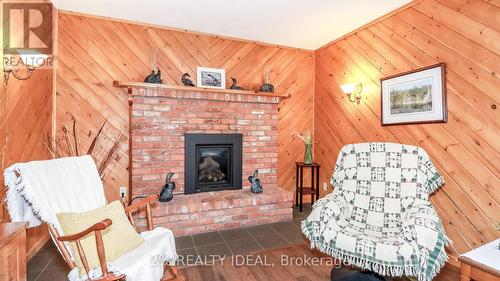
379,216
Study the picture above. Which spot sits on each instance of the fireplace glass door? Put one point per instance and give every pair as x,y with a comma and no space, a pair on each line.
213,162
214,165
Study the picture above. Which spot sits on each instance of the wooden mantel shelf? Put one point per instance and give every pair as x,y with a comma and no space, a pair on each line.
126,84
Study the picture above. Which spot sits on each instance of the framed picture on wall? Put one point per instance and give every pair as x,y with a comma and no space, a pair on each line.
211,77
415,97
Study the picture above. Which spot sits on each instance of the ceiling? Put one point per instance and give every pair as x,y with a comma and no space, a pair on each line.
305,24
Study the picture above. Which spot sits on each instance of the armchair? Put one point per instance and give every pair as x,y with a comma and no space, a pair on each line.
379,216
40,189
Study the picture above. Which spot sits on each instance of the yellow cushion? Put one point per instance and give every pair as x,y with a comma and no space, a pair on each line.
119,238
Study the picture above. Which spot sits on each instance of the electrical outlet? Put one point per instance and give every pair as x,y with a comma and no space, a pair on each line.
325,186
123,191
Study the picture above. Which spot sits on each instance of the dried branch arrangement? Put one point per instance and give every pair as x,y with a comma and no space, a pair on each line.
306,137
103,151
154,59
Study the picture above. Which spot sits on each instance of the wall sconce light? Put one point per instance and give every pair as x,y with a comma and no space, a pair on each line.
31,60
353,92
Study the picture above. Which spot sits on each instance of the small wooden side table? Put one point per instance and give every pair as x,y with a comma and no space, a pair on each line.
13,251
482,263
299,182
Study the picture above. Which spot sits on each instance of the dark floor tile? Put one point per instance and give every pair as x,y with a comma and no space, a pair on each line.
33,274
294,237
235,234
187,257
245,246
53,275
184,242
297,222
57,263
260,230
272,241
306,210
48,249
207,238
284,227
214,253
39,262
297,215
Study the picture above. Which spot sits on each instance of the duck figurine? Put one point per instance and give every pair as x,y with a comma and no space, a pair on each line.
153,77
186,81
234,86
167,191
256,186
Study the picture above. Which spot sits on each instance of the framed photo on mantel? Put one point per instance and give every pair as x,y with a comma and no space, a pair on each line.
211,77
415,97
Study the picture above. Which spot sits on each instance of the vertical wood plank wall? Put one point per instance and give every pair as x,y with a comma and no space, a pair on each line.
466,36
94,51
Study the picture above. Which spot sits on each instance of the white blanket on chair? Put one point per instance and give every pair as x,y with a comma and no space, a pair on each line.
144,263
39,189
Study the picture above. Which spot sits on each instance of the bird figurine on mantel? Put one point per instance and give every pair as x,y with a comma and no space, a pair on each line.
234,86
186,81
154,77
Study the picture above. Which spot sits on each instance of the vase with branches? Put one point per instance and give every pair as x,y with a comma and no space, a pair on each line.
306,137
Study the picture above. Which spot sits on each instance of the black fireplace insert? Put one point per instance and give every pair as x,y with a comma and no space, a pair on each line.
213,162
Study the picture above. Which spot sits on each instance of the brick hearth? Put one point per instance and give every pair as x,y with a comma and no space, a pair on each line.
211,211
161,118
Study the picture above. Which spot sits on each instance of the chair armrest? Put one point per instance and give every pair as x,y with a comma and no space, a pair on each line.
144,202
326,212
422,227
141,203
96,227
332,206
422,224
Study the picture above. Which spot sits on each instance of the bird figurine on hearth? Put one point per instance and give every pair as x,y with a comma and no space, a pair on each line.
186,81
234,86
167,191
255,185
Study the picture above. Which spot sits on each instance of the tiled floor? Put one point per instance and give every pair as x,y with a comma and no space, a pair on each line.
47,264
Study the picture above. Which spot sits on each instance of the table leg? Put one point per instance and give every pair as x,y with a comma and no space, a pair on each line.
296,186
317,183
312,186
465,270
301,187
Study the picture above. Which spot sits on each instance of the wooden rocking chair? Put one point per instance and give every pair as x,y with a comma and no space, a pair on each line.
97,229
65,185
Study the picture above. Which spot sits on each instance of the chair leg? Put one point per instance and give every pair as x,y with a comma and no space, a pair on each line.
175,274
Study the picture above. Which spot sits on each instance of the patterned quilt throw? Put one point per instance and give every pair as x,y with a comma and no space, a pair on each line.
379,216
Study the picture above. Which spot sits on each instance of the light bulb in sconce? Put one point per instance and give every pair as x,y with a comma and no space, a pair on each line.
353,92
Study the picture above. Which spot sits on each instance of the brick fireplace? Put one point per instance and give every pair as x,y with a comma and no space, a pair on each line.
162,117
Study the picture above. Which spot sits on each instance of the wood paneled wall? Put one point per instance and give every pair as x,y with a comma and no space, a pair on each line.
25,116
466,36
94,51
